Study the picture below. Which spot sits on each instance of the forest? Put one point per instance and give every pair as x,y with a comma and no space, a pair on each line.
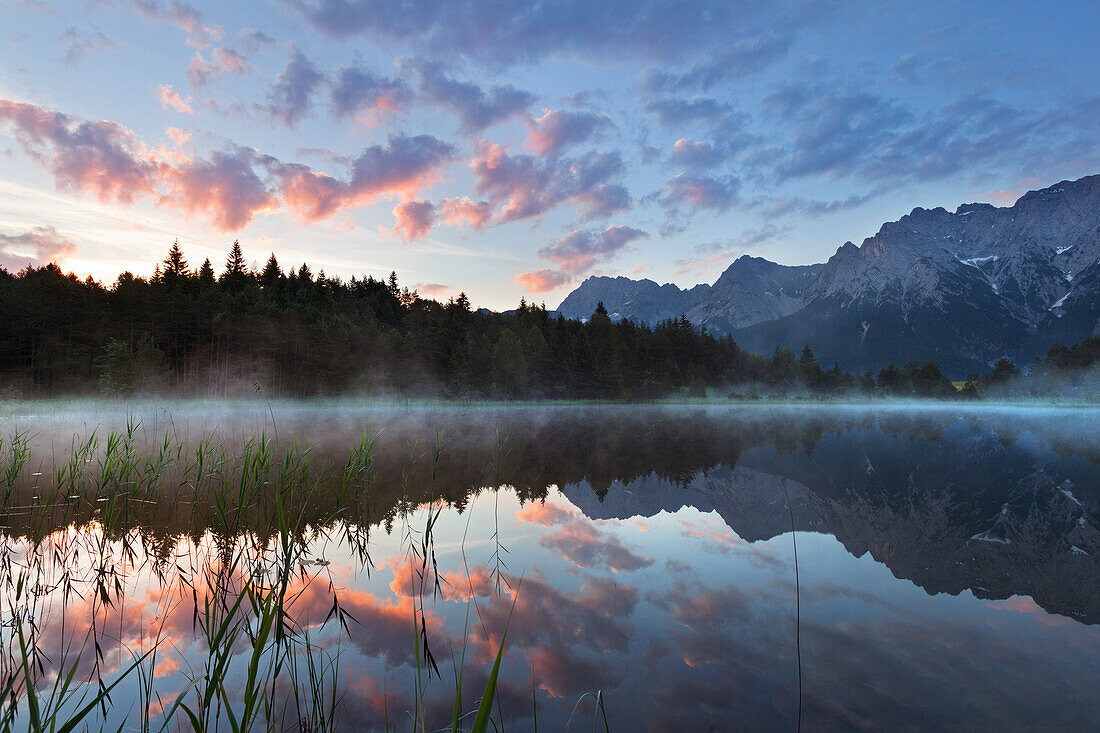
194,332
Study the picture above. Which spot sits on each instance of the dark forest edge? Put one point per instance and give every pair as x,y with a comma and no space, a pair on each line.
246,332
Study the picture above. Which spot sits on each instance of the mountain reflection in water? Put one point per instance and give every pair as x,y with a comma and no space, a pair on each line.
949,561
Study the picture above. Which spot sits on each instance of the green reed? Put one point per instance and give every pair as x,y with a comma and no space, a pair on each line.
263,669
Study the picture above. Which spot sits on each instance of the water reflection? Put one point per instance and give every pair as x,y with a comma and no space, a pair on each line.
949,572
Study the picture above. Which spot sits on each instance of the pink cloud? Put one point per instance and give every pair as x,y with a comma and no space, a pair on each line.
37,247
579,539
602,201
700,192
694,154
181,15
411,579
400,168
100,158
226,189
432,290
523,186
415,219
223,60
543,280
1009,196
584,545
722,537
557,129
230,60
579,250
710,264
464,210
546,616
546,514
171,99
107,160
178,136
311,195
366,96
382,625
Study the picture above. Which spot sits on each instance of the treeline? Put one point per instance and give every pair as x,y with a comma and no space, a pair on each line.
296,333
1065,371
293,333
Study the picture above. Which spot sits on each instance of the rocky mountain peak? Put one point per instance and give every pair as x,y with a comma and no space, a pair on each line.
963,287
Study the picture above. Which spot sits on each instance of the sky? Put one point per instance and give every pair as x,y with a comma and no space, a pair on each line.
511,149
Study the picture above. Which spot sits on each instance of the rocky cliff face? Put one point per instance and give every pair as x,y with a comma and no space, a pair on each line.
642,301
963,288
751,290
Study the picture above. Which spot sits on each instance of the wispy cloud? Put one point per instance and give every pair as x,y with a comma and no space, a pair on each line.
37,247
171,99
78,42
576,254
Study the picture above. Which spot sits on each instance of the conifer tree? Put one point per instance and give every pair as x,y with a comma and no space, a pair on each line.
206,273
272,275
236,272
174,269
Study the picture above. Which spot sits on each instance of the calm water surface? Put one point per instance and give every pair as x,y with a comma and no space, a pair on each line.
948,570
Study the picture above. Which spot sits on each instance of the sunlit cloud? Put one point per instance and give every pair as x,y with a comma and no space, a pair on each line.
543,280
231,186
171,99
557,129
202,71
360,93
581,540
523,186
463,210
579,250
181,15
37,247
415,219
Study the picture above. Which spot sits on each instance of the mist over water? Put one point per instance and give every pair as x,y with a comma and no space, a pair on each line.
948,557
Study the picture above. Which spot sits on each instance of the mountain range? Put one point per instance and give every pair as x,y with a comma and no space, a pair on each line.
961,288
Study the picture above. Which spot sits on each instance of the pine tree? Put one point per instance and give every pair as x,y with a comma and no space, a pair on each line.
272,275
236,273
174,269
1003,371
811,370
206,274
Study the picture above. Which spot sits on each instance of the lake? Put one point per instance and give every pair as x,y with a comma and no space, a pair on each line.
360,567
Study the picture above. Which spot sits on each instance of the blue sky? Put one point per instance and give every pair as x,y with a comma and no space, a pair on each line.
512,149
